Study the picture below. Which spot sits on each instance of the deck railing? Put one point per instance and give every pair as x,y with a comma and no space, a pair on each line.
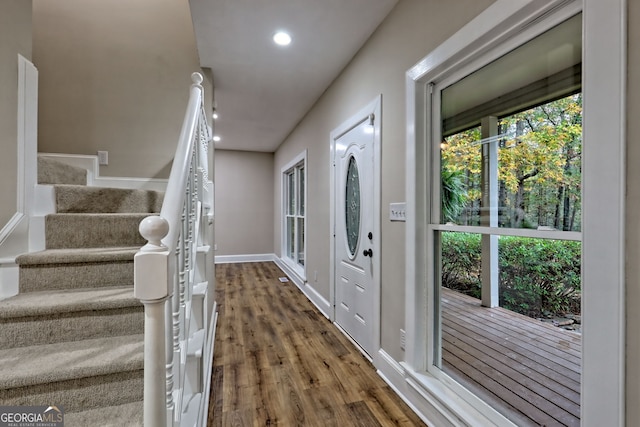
174,280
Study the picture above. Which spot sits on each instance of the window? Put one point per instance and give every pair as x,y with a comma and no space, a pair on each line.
508,250
506,231
294,197
526,213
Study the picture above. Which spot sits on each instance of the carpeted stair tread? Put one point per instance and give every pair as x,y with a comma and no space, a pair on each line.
43,303
83,199
90,230
78,255
127,415
51,171
50,363
74,333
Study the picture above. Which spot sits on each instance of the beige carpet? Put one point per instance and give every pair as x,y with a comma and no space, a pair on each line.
73,336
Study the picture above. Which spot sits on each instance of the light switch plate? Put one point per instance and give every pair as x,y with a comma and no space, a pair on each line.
398,211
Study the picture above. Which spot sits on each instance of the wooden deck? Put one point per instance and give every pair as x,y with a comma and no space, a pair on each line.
522,367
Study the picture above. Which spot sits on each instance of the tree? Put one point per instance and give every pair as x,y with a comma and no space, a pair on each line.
539,167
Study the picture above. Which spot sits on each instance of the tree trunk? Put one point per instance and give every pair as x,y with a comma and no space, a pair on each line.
559,199
566,222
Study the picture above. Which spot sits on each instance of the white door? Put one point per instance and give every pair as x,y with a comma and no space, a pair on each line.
355,234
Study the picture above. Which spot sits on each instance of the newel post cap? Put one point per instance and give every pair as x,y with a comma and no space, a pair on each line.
153,228
197,78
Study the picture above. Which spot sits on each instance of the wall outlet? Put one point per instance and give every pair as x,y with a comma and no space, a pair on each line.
215,247
403,338
103,158
315,276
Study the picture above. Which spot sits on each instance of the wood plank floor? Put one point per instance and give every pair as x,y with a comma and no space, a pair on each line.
279,362
520,366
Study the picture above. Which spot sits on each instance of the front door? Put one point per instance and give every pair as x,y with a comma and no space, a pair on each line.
355,234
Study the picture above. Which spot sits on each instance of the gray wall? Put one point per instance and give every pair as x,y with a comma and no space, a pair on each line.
114,76
15,38
413,29
633,216
244,202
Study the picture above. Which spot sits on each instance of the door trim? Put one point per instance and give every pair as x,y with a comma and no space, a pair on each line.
374,107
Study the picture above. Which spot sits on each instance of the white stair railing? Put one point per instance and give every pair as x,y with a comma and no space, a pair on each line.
174,280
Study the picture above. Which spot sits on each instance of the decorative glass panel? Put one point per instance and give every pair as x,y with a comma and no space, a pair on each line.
352,206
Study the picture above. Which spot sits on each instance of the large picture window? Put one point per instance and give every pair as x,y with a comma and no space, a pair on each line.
506,231
294,196
515,212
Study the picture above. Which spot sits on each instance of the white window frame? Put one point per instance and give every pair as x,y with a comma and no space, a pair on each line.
299,161
503,26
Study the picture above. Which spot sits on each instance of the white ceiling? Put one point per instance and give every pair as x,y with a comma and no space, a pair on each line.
263,90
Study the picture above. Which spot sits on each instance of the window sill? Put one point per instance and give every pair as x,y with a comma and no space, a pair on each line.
452,400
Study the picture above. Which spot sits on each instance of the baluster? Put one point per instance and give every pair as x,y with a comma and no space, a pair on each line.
169,365
175,311
184,275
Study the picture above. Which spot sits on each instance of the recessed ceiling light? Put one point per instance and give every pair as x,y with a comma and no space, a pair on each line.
216,138
282,38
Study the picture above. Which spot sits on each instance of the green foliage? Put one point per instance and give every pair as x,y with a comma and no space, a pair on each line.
461,262
453,194
539,166
537,276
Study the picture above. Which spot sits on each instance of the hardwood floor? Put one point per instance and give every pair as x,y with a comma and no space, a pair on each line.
279,362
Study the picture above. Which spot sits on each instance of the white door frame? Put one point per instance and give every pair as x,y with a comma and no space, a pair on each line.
374,107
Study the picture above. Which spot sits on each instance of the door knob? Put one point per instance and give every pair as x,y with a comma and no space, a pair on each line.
368,252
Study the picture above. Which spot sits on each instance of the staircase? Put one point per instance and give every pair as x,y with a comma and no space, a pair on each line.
73,336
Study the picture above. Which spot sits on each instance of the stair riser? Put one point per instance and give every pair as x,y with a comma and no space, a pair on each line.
51,171
79,231
106,200
80,394
76,326
75,276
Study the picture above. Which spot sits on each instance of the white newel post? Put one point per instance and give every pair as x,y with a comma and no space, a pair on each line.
152,272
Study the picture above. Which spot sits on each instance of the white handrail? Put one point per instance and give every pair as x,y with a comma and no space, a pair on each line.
175,194
167,272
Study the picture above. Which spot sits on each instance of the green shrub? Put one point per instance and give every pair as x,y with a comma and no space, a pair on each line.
537,276
461,262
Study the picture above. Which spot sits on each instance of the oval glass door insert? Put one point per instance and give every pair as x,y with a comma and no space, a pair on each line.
352,206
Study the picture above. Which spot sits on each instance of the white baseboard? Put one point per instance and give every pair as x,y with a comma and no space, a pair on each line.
232,259
14,238
290,272
94,179
318,300
9,274
321,303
